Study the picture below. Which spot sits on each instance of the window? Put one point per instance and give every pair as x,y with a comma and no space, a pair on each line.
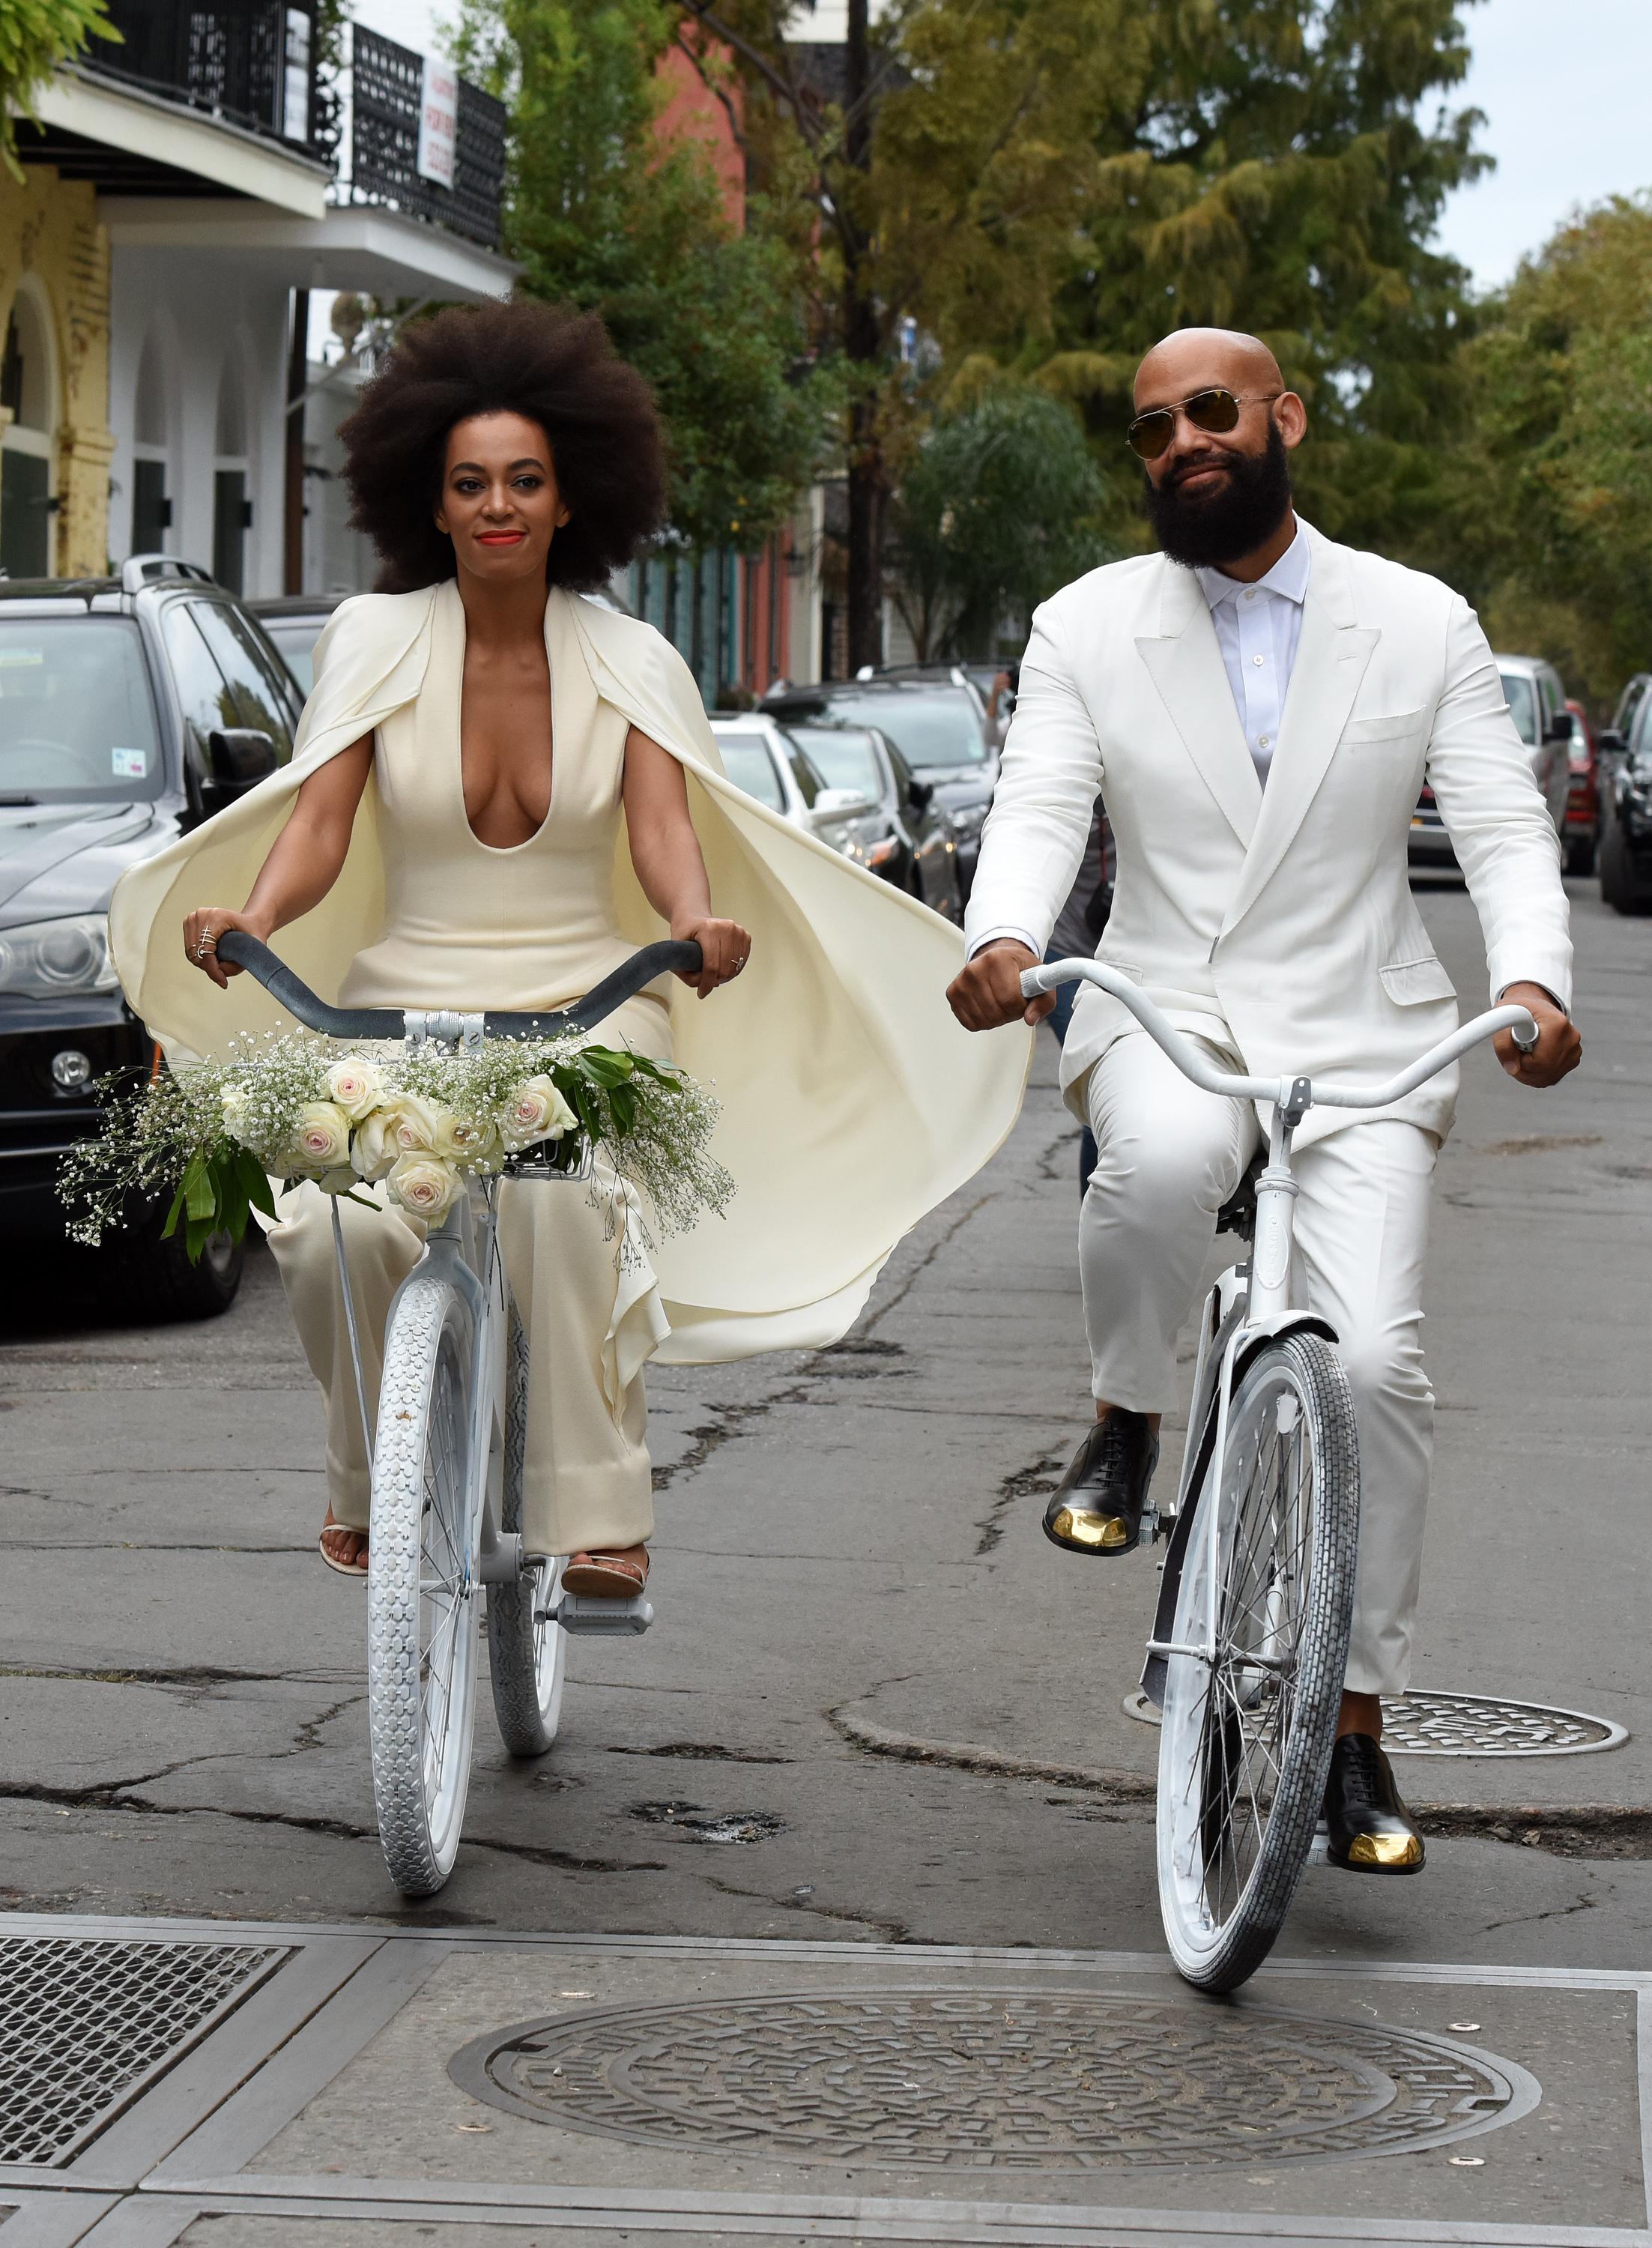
805,773
747,762
929,728
28,385
77,717
846,755
231,509
203,693
151,508
1523,706
260,694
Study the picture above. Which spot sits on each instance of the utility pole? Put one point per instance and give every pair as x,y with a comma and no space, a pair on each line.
861,345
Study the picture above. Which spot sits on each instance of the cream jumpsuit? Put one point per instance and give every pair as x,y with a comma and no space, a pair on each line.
470,927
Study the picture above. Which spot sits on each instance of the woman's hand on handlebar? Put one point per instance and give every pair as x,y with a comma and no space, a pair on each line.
726,948
201,930
987,994
1559,1049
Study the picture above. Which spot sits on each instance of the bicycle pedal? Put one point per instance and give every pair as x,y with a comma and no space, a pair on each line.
1319,1847
582,1611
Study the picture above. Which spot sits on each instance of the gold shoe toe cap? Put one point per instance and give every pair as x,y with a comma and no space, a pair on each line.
1100,1533
1388,1854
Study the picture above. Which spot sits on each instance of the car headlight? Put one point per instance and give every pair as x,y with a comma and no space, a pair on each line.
58,959
967,819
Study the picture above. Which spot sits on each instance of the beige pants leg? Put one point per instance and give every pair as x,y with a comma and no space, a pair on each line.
587,1478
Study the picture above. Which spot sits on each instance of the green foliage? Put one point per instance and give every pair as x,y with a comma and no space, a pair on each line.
36,36
221,1188
1550,525
606,215
994,513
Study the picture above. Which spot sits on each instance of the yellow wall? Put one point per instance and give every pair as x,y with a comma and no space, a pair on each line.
48,227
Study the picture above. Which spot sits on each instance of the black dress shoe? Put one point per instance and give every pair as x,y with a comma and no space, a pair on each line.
1368,1829
1097,1506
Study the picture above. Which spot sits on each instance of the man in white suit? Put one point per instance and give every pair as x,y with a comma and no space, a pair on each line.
1259,708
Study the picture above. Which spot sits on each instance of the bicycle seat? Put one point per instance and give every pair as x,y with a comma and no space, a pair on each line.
1237,1213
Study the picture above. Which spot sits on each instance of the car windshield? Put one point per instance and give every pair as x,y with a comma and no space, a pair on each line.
747,762
77,718
934,726
295,639
1523,705
844,757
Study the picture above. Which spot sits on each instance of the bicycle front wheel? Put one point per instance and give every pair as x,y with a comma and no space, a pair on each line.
1267,1600
525,1652
423,1593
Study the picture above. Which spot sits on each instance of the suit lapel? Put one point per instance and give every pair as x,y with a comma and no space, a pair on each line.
1333,652
1185,664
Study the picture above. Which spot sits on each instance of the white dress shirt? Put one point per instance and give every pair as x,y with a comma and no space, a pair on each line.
1256,630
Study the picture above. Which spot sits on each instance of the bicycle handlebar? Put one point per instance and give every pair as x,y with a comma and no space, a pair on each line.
295,995
1205,1074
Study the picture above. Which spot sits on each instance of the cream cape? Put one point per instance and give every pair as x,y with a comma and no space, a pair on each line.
852,1100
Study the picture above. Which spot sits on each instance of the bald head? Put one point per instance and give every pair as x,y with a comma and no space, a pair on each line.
1205,358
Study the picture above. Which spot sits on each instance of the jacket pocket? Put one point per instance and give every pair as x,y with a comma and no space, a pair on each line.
1404,726
1121,966
1409,983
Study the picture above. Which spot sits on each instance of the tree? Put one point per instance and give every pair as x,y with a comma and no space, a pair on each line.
1550,528
993,514
603,214
36,37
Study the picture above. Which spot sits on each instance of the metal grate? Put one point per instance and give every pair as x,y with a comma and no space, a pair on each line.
86,2025
387,84
977,2079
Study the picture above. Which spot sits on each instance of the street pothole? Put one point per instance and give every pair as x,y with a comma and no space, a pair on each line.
695,1824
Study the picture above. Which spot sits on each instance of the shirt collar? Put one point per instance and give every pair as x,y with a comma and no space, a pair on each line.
1288,577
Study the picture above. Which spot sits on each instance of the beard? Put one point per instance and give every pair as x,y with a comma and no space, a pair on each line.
1232,521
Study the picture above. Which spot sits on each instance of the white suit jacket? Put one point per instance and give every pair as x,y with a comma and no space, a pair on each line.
1280,921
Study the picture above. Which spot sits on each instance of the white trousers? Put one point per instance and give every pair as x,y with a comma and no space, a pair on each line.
1169,1155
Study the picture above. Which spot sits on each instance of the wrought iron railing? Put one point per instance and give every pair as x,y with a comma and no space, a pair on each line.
381,163
253,64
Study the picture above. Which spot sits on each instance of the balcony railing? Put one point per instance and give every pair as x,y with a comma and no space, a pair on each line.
379,160
253,65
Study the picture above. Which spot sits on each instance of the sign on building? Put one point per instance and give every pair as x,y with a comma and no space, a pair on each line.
438,121
295,101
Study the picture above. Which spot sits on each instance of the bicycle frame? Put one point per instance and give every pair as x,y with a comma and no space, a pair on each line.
1250,1302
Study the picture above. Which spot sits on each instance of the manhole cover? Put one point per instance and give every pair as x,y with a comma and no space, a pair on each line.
921,2079
87,2025
1468,1725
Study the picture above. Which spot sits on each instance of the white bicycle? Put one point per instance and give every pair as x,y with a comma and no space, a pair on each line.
447,1459
1251,1639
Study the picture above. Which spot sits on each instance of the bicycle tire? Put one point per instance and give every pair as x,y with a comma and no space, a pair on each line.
422,1604
1236,1815
526,1658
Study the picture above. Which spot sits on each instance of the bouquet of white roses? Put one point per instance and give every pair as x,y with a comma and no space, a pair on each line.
421,1120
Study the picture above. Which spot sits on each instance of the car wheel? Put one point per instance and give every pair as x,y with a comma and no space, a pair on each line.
158,1283
1621,885
1579,855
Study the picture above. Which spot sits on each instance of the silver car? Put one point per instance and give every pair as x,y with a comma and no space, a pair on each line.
763,760
1536,705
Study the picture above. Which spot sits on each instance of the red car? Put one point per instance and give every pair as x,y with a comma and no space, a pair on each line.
1582,830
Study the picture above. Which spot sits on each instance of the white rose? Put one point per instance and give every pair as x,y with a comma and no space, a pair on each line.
355,1085
321,1140
535,1110
374,1149
414,1123
236,1101
460,1139
424,1185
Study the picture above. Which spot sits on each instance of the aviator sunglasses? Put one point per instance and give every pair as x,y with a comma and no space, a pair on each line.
1216,411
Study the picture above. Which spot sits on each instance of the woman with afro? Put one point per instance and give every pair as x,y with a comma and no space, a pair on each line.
500,789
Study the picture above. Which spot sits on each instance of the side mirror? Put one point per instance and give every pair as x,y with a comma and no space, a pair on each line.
238,758
842,804
1610,742
1560,726
921,795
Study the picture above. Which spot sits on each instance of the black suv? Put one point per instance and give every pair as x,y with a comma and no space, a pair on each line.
131,710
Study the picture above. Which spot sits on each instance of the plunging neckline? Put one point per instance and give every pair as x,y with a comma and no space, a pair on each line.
506,850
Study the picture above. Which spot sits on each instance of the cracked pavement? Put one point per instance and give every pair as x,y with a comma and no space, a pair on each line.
876,1704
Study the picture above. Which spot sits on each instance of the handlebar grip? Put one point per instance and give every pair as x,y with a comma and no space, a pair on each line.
289,988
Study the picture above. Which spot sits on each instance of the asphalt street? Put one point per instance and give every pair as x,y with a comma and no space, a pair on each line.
877,1708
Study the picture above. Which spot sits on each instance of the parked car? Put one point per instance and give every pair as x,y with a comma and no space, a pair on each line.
759,758
1537,705
938,724
1581,834
899,834
295,623
1626,838
131,709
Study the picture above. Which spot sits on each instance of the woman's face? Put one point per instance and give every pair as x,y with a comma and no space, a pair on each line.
500,504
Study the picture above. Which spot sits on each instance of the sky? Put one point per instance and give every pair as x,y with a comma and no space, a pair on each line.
1563,87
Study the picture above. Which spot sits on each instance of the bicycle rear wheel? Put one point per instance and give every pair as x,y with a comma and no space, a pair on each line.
423,1593
1247,1734
525,1655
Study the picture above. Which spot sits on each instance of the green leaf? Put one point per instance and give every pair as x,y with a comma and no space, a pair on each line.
174,1215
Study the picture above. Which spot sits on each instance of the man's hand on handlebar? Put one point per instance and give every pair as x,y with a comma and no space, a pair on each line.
201,930
726,948
1559,1049
988,993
